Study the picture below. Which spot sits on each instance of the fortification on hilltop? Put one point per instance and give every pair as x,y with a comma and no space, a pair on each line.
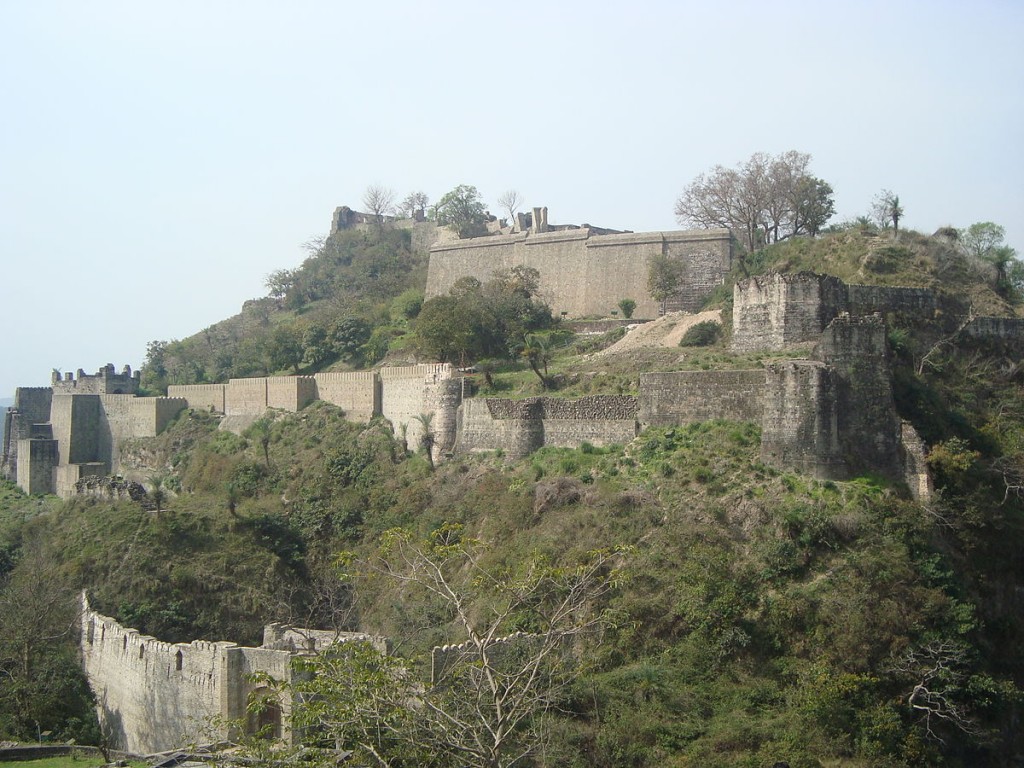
829,412
585,271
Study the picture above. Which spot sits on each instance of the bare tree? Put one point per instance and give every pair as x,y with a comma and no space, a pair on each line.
510,202
936,673
763,200
487,702
380,202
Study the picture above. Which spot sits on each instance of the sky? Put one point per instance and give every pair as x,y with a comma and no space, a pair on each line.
158,160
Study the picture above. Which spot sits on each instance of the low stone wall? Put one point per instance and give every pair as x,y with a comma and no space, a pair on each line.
290,393
683,397
519,427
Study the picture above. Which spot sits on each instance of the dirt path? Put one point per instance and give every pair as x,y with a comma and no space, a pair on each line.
664,332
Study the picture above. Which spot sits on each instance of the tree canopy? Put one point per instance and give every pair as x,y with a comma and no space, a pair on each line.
763,200
462,210
479,320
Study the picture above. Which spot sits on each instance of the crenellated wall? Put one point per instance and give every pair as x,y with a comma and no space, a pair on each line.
356,393
153,696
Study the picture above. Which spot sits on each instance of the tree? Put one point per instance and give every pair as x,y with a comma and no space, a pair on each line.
414,203
627,307
984,242
664,278
461,210
886,210
487,703
427,437
284,347
380,202
510,202
764,199
280,282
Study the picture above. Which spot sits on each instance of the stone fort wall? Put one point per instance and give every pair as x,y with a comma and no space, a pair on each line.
153,696
583,273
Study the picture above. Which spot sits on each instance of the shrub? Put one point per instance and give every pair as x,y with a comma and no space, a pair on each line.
627,306
701,335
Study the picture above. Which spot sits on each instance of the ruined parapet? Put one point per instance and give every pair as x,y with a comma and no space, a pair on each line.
914,456
800,425
520,427
302,640
1004,332
106,381
153,696
684,397
774,310
857,350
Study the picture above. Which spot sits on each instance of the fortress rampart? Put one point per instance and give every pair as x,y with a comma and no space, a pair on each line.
583,273
153,696
831,416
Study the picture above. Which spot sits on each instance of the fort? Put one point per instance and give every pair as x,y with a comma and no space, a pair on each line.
829,412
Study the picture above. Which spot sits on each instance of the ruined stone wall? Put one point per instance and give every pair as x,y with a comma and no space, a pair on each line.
68,477
519,427
357,394
583,273
31,406
406,392
773,311
153,696
869,429
35,468
1005,331
201,397
799,429
124,417
77,423
683,397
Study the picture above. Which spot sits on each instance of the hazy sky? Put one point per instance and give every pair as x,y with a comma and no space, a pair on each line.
158,160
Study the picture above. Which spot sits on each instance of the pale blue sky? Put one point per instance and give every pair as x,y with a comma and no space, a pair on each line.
158,160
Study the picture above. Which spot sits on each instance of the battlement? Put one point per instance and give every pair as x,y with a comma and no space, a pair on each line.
106,381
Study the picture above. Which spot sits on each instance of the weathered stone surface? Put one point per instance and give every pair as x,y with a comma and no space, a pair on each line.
584,273
684,397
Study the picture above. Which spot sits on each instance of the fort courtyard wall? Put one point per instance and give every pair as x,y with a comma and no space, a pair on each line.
583,273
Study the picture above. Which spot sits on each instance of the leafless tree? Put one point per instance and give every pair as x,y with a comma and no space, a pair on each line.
510,202
487,703
379,201
935,672
763,200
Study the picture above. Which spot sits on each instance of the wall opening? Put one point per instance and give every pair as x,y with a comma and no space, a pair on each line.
177,661
264,721
91,634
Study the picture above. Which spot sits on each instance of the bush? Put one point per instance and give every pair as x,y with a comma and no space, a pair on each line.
627,306
701,335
